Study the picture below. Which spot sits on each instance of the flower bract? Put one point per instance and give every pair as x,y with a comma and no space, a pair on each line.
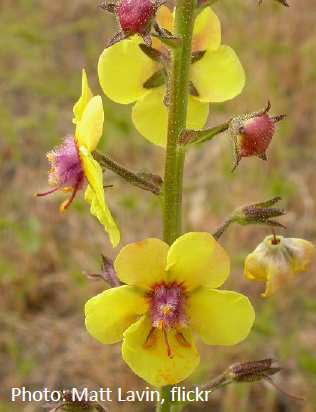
168,292
216,75
276,260
72,161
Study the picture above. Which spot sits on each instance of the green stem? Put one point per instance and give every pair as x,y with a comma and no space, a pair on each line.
222,228
165,393
175,156
178,101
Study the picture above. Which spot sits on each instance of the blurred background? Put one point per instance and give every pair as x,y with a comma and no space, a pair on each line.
43,342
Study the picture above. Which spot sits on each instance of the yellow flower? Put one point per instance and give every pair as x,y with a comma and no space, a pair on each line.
277,260
89,118
72,160
168,291
216,77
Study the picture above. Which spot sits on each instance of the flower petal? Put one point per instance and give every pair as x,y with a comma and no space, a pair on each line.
165,19
152,363
197,114
123,69
103,214
197,259
111,312
207,31
220,317
142,264
93,173
150,116
218,76
86,95
89,129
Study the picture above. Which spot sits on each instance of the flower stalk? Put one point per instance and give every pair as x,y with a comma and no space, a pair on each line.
178,101
146,181
175,156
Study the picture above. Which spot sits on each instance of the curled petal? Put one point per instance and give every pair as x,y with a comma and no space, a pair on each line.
123,69
152,363
86,96
111,312
218,76
150,116
94,194
93,173
89,129
142,264
197,259
102,213
220,317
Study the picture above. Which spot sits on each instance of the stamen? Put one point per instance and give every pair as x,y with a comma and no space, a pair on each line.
181,340
150,339
47,193
64,206
166,310
67,189
166,339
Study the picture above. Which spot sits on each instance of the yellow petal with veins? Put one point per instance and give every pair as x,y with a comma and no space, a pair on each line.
152,362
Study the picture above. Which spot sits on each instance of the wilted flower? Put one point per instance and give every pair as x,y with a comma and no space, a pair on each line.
72,160
128,74
276,260
168,291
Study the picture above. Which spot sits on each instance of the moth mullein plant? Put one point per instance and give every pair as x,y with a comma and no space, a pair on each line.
72,161
171,65
169,291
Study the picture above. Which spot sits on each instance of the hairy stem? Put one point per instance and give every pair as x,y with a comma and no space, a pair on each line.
175,156
178,101
136,179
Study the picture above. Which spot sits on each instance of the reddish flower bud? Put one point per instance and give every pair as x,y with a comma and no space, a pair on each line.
253,133
256,135
135,16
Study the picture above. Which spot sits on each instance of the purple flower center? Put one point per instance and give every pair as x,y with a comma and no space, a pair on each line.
167,310
66,169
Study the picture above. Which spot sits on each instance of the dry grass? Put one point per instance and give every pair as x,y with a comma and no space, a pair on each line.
44,46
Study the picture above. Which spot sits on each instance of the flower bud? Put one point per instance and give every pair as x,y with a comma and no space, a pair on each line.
259,213
252,134
251,371
276,260
135,16
107,274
